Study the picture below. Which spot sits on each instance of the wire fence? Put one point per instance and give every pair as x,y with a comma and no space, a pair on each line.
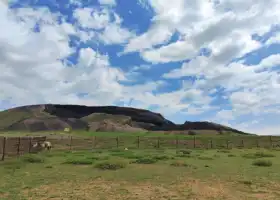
11,146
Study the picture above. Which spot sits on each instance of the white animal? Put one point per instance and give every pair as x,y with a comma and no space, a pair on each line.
125,149
45,145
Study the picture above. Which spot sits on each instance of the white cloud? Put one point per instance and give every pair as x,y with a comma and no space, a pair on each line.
178,51
92,18
114,34
107,2
275,39
157,34
105,24
270,61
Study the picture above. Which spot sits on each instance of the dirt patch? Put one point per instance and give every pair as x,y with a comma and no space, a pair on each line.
99,189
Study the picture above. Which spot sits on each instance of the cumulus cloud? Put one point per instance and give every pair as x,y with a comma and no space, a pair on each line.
104,24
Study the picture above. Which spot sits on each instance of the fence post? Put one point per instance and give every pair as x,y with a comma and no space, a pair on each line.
194,145
158,145
30,144
117,140
4,149
70,144
18,147
257,142
227,144
138,142
177,142
242,143
95,139
211,143
92,141
270,140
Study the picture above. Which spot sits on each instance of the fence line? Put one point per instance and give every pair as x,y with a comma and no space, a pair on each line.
12,146
15,146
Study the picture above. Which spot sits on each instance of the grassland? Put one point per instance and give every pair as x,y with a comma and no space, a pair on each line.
160,174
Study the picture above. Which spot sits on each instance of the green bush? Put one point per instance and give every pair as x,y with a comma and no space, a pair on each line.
185,152
223,151
246,182
111,165
13,164
262,163
126,154
32,158
79,161
258,155
205,158
145,161
179,163
162,157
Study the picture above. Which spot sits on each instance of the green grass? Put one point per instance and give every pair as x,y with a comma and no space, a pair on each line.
149,174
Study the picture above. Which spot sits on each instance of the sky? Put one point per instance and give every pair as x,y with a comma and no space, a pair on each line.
202,60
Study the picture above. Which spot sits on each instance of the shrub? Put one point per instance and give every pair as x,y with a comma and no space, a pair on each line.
145,161
258,155
111,165
179,163
162,157
246,182
185,152
205,158
231,155
223,151
184,156
126,154
116,150
262,163
31,158
79,161
13,165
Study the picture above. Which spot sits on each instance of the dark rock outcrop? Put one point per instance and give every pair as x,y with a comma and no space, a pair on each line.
98,118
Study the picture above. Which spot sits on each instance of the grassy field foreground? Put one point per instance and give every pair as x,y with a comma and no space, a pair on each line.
142,174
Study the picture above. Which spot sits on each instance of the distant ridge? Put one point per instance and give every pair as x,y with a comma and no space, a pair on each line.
45,117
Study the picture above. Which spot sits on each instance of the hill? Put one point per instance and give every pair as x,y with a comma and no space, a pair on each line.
96,118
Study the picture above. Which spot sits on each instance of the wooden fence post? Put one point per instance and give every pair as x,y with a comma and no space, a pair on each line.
30,145
117,140
211,143
194,141
242,143
177,142
138,142
18,146
93,142
70,144
227,144
158,145
270,140
257,142
4,149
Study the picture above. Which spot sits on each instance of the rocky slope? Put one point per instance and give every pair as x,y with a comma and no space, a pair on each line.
101,118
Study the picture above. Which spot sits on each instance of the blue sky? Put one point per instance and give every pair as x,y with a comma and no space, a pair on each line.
190,60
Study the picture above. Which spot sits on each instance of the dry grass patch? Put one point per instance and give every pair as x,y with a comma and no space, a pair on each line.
99,189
